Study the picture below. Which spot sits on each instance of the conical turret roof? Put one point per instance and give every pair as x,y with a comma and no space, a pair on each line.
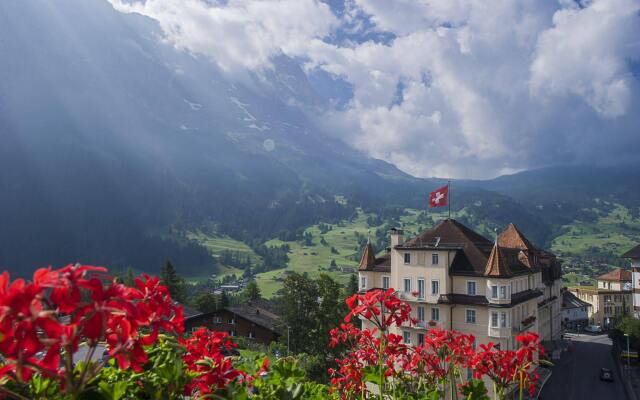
368,258
497,265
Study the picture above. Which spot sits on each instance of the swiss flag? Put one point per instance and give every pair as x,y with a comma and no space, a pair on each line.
439,197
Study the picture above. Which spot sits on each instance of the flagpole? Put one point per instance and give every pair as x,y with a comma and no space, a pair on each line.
449,199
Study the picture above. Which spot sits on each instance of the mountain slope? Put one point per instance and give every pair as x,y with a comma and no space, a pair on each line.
110,136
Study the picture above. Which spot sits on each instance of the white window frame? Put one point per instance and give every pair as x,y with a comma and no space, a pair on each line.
504,319
388,279
475,288
406,337
435,257
422,293
404,284
437,281
502,292
363,281
405,257
497,319
435,311
420,310
466,316
494,295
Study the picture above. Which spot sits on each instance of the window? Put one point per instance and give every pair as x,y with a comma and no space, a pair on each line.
232,333
252,335
421,288
363,282
469,374
420,338
618,310
471,316
406,336
217,320
435,314
420,314
407,285
494,319
471,288
407,258
435,287
616,297
386,282
503,320
498,292
231,321
434,259
607,298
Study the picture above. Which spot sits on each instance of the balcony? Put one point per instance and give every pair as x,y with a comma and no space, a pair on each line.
426,324
525,324
499,332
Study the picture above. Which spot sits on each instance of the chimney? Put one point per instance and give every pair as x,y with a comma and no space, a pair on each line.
396,236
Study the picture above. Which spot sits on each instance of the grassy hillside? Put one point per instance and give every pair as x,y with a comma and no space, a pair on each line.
588,246
217,244
342,243
594,244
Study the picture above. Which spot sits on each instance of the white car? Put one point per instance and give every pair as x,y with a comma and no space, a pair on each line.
593,328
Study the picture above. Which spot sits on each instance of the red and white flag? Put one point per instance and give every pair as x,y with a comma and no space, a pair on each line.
439,197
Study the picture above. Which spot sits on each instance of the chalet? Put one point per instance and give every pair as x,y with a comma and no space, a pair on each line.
248,321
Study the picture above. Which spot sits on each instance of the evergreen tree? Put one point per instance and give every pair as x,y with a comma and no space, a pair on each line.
174,282
352,285
129,277
223,301
251,292
207,302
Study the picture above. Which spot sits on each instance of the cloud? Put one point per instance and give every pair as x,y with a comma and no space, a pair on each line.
443,87
586,54
237,34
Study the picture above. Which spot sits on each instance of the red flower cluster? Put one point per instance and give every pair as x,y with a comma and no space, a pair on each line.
506,366
60,308
382,308
438,360
206,356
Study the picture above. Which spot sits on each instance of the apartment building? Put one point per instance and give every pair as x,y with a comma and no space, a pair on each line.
611,297
454,278
634,256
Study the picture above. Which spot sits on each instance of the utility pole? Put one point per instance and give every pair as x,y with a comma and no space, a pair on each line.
628,355
288,335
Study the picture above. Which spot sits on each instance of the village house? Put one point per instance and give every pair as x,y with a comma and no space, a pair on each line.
248,321
454,278
634,256
575,312
611,297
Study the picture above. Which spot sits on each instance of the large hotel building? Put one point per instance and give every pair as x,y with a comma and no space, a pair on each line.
454,278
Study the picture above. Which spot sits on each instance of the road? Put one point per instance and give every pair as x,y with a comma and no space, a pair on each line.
577,375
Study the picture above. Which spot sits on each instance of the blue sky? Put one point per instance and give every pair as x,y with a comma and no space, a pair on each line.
441,87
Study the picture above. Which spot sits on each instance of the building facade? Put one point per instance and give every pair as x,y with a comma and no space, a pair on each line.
454,278
634,256
575,312
611,297
250,322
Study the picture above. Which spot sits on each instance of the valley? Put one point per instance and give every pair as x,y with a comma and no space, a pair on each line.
587,248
